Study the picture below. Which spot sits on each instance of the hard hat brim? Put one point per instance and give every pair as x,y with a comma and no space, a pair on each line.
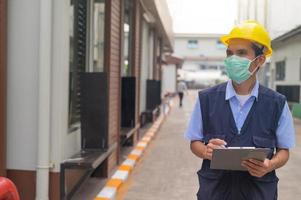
225,40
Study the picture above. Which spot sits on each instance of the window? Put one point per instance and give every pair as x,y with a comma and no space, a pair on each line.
203,67
193,44
213,67
98,35
280,71
300,69
127,29
77,57
292,92
86,33
222,69
220,45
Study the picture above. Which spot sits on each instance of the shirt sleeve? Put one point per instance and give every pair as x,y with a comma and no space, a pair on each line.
285,132
195,126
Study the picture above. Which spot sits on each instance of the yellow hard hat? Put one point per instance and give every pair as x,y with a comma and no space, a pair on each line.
250,30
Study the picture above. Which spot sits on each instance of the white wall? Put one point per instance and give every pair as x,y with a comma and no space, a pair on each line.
22,83
144,65
207,46
151,53
252,10
290,52
281,16
169,79
63,144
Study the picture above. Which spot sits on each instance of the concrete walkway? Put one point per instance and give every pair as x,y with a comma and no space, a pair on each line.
167,170
290,174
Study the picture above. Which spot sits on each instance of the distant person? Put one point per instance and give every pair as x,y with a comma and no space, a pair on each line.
181,88
241,112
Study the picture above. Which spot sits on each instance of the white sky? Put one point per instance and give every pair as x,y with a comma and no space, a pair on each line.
203,16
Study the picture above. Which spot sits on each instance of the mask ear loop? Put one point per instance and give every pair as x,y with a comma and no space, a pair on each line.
257,67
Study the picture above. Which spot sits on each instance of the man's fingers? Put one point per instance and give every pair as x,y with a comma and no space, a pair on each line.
254,173
253,167
213,146
257,162
208,154
209,150
251,170
248,166
217,141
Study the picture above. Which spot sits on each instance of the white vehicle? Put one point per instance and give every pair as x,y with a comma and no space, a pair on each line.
202,78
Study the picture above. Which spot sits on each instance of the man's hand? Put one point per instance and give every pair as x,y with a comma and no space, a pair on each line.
258,168
213,144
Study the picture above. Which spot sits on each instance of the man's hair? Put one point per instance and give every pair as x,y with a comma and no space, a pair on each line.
259,49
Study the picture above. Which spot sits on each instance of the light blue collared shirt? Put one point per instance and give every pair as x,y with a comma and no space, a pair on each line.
285,132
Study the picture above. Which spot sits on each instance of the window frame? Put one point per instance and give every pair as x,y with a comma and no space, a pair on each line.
74,68
128,4
299,69
280,67
192,44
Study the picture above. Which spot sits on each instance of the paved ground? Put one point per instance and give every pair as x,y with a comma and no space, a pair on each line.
290,174
168,169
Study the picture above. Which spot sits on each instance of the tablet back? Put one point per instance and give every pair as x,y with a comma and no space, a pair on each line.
231,158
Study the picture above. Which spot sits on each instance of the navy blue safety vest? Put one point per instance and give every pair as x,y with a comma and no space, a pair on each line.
259,130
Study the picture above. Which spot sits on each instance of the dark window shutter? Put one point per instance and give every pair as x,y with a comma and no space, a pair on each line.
79,64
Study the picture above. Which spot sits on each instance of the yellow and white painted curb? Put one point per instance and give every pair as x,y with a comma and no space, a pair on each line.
109,192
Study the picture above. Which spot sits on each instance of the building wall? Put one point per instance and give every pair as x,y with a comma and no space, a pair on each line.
144,65
22,84
288,51
3,6
151,54
207,46
267,12
158,56
23,19
22,94
169,79
63,143
209,51
136,56
289,18
112,62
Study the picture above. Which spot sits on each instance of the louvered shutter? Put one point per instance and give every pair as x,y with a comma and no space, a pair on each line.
79,64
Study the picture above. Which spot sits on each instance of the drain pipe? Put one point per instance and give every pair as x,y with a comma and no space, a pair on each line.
43,157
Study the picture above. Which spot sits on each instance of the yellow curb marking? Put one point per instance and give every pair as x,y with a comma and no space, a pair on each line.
114,183
125,168
133,157
145,139
140,148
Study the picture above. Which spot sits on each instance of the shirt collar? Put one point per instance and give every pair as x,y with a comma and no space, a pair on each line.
230,91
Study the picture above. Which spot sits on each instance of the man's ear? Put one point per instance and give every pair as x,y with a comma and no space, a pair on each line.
261,60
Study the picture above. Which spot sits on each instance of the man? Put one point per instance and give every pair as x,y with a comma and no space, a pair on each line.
181,88
242,112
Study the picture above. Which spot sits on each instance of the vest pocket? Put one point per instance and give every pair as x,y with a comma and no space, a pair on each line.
269,177
263,142
211,185
210,173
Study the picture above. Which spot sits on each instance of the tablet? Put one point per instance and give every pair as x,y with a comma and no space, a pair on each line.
230,158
